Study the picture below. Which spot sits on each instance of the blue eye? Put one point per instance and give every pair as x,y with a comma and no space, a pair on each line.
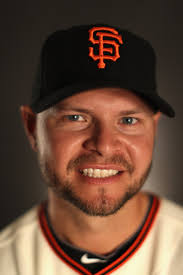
75,117
129,120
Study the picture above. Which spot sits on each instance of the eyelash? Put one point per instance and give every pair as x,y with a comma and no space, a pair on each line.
124,118
68,116
133,118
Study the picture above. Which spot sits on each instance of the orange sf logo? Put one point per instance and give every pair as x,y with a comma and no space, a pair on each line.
111,33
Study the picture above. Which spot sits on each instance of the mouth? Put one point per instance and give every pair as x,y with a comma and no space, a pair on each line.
99,173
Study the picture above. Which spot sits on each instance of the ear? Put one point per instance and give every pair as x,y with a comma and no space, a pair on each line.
29,123
156,118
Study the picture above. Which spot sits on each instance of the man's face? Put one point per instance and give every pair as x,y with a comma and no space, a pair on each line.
95,148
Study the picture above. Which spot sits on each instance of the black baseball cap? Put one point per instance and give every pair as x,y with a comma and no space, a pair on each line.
87,57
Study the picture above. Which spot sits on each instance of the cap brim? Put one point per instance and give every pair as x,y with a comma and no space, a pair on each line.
157,102
55,96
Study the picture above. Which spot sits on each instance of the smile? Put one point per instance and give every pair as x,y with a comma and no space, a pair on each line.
99,173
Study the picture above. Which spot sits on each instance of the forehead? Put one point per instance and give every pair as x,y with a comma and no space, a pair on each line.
105,98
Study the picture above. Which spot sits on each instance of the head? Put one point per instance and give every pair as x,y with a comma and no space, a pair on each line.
108,128
93,116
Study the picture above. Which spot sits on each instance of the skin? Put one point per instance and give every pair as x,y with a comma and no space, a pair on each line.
115,129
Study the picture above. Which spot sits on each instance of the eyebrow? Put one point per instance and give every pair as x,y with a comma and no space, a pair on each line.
79,110
131,112
83,110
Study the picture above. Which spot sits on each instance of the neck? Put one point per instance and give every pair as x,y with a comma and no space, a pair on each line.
100,235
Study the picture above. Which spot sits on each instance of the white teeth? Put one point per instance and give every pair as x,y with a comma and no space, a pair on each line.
99,173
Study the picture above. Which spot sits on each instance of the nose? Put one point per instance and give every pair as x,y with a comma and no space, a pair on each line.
104,140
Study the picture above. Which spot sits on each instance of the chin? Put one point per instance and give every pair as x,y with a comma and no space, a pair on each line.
102,204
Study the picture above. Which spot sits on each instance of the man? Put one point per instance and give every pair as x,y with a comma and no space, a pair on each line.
92,122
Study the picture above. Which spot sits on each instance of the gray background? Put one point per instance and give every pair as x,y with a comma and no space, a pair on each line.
23,28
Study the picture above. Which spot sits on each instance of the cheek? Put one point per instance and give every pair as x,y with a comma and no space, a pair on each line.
141,151
64,147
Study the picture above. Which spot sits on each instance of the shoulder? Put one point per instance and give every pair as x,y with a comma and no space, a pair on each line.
169,224
171,213
23,224
16,242
168,237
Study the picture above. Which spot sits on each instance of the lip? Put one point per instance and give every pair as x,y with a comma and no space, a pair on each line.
98,181
102,166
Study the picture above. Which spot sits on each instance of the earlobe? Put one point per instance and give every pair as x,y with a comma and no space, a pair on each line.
29,123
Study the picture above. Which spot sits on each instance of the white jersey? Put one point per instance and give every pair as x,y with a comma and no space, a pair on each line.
27,246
